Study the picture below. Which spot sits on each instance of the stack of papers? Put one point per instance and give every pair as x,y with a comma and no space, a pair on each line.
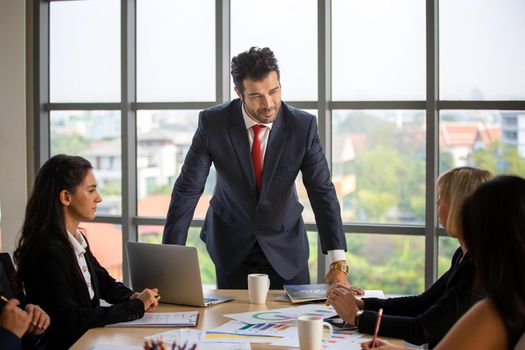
162,319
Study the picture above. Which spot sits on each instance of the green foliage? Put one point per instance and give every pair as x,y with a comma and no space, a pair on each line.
373,205
447,247
72,144
206,265
163,189
390,175
110,189
446,161
499,159
392,263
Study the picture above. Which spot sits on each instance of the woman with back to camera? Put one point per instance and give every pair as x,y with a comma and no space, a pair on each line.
56,266
427,317
494,231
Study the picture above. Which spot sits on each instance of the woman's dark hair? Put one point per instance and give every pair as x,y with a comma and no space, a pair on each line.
44,221
494,232
255,64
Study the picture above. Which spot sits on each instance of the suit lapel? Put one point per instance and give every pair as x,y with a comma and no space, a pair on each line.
239,139
275,147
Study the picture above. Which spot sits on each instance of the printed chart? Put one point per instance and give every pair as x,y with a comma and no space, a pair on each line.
284,315
234,331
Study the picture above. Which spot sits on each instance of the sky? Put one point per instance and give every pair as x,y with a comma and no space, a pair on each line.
378,48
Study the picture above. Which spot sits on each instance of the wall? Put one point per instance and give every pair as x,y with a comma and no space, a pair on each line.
13,134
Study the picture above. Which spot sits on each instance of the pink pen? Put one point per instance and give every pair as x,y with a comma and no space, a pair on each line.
374,340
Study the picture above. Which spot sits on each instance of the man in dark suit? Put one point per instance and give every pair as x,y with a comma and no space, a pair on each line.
258,145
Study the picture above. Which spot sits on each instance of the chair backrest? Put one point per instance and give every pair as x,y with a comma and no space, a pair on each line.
7,275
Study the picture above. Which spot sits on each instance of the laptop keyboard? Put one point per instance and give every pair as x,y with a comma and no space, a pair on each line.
209,300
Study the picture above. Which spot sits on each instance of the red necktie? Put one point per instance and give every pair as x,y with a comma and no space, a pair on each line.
257,154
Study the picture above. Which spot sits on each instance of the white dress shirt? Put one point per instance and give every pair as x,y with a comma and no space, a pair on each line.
79,247
333,255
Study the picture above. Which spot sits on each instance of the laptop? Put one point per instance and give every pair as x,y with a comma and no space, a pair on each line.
173,269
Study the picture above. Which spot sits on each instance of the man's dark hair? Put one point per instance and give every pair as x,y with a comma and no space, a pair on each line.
254,64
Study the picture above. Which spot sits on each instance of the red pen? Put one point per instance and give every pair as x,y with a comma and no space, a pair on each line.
374,340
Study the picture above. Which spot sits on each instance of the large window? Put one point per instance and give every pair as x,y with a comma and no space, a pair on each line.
400,95
482,60
378,165
175,50
378,50
84,54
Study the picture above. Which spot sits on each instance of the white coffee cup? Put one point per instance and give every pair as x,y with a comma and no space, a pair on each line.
310,330
258,286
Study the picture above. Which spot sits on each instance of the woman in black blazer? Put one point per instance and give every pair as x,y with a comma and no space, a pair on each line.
56,266
427,317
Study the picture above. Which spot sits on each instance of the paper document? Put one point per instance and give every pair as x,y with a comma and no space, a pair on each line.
275,329
373,293
193,336
162,319
339,341
116,347
284,314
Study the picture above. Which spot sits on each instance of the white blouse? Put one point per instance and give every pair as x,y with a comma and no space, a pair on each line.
79,246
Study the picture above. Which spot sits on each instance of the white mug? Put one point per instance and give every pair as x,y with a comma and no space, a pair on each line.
258,286
310,330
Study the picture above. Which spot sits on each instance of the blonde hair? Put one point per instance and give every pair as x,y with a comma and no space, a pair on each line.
454,186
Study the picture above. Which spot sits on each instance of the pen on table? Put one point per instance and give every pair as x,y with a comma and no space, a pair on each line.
4,298
378,321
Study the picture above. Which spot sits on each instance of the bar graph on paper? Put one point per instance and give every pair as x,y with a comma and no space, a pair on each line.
273,329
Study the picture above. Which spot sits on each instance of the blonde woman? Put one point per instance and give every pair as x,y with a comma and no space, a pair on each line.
425,318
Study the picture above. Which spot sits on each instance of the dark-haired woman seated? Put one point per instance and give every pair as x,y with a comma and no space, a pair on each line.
55,264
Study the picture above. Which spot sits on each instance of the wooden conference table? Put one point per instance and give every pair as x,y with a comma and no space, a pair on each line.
209,318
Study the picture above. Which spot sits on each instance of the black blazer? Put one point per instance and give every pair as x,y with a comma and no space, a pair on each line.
9,340
426,318
7,276
238,216
53,280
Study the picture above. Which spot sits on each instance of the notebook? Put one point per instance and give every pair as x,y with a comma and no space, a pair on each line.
173,269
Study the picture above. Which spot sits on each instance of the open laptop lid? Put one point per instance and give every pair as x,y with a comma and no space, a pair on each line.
173,269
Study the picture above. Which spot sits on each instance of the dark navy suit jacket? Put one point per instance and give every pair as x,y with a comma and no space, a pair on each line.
238,216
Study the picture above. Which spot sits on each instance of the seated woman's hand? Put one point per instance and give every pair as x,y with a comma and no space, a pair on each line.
355,290
39,319
342,289
344,303
14,319
358,291
150,298
380,345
